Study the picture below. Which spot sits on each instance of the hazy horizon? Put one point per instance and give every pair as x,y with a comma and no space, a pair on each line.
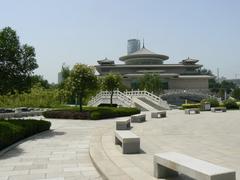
85,31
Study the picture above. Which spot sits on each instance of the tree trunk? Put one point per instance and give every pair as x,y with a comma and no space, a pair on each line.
111,98
80,101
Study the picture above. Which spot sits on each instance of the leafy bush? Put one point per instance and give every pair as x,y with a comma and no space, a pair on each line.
189,106
230,104
38,97
91,113
238,103
212,101
12,131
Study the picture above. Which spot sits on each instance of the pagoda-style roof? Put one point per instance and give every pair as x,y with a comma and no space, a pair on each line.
105,61
189,61
144,53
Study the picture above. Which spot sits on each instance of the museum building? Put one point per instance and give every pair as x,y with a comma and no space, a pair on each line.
185,75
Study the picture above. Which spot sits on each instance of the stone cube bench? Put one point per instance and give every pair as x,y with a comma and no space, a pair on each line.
193,110
172,163
138,118
159,114
129,141
214,109
124,124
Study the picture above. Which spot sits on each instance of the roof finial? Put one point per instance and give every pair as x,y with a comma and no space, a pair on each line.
143,44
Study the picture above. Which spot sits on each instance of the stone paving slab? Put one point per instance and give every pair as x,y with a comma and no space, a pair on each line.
62,153
213,137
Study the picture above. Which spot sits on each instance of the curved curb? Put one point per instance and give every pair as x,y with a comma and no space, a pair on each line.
5,150
105,166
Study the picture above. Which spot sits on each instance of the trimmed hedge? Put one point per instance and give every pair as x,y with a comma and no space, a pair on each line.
93,113
12,131
189,106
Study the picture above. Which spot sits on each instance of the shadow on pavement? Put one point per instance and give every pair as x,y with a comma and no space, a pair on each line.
17,151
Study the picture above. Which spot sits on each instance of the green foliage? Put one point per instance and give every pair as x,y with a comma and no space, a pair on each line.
214,86
38,97
111,82
91,113
230,104
151,83
220,88
81,82
206,72
12,131
238,103
17,63
189,106
212,101
37,80
228,86
103,113
236,93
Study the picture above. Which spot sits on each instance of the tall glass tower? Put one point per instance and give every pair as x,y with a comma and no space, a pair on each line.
133,45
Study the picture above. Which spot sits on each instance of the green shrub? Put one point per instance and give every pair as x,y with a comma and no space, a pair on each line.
91,113
189,106
66,114
212,101
231,104
12,131
238,103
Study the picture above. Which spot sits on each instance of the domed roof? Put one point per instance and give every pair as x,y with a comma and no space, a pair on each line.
143,53
105,61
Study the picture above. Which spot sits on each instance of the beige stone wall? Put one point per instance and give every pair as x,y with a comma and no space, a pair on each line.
188,83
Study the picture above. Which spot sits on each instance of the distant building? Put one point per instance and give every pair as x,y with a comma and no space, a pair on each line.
60,78
185,75
133,45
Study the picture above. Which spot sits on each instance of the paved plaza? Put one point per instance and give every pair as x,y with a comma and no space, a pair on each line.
59,154
64,152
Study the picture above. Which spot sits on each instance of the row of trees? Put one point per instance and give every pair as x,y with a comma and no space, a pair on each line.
81,82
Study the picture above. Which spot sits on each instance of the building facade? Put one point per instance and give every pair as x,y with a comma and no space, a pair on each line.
184,75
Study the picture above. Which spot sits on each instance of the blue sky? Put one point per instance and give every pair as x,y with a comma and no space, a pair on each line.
76,31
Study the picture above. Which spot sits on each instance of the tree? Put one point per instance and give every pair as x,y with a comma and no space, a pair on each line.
206,72
111,82
17,63
37,79
151,83
236,93
81,82
228,86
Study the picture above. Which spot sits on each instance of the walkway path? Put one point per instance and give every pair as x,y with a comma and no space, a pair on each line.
213,137
60,154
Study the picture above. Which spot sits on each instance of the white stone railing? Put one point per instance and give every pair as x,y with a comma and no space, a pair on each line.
149,96
104,96
189,91
126,98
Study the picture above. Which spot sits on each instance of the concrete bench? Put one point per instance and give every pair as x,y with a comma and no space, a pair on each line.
159,114
192,110
129,141
171,163
138,118
123,124
214,109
